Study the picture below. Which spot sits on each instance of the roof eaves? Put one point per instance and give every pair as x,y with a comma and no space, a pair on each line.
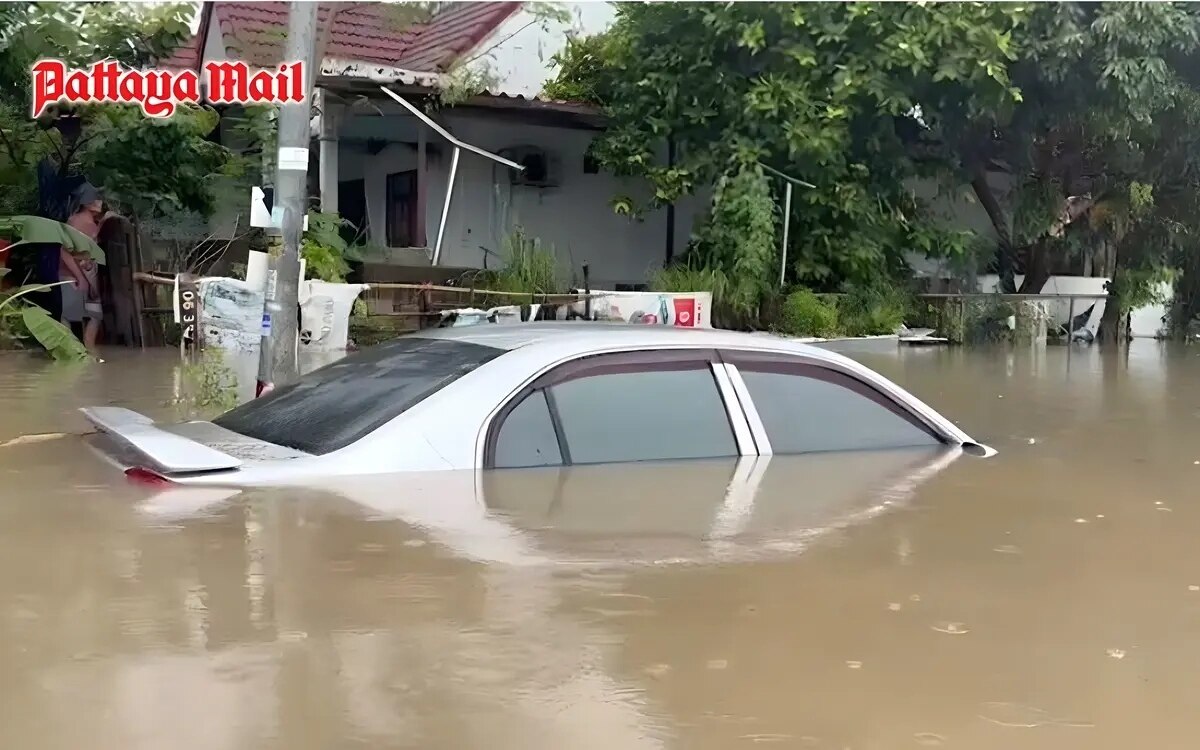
335,68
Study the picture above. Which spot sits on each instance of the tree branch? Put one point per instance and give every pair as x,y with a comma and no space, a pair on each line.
480,54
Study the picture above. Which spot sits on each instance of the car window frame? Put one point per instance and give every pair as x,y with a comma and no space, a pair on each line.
734,360
616,362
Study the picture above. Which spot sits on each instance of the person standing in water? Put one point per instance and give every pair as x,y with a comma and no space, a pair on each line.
81,298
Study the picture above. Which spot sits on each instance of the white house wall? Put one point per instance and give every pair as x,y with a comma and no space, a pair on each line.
518,53
959,209
576,218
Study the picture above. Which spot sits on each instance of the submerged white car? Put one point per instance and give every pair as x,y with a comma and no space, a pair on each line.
553,394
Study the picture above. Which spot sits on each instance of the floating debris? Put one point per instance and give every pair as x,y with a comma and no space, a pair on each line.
894,606
718,663
951,628
1116,653
1081,520
854,664
1007,549
929,739
30,439
1193,588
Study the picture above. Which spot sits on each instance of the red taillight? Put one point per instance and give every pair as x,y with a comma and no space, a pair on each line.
142,475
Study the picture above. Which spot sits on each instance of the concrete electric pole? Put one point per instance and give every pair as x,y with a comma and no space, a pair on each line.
277,360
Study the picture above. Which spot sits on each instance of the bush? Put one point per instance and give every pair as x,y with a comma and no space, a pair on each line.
805,314
681,277
873,310
530,268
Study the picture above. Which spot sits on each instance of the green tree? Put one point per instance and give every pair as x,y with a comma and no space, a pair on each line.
1091,79
147,167
826,92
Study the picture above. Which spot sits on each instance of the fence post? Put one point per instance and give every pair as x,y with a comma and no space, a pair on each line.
587,292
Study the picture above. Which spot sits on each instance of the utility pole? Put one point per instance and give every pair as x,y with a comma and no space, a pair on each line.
277,359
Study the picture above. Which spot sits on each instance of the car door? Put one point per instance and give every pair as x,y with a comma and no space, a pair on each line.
640,443
795,404
576,431
621,407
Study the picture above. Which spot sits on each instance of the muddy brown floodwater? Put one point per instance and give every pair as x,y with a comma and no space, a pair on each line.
1048,597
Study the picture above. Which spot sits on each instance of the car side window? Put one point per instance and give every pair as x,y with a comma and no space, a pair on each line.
646,413
527,437
807,408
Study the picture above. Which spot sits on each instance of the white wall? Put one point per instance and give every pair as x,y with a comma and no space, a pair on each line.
576,218
958,209
214,44
1150,321
519,52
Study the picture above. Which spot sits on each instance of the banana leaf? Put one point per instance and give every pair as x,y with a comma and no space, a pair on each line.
35,229
54,337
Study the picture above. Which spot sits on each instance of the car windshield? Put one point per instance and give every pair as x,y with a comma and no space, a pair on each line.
340,403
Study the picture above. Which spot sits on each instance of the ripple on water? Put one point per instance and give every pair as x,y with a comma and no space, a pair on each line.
1022,716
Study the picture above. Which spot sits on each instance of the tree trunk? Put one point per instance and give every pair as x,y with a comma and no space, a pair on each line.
1114,327
1037,269
1005,252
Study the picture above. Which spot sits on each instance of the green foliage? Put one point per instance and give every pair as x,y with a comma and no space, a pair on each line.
804,313
21,321
146,167
584,75
530,268
821,91
154,167
208,386
54,337
466,80
80,33
684,277
1134,288
324,249
1076,100
738,240
873,310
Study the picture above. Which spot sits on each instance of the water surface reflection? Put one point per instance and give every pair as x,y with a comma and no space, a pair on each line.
1044,598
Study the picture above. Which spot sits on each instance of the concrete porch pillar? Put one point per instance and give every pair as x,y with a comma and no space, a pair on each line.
331,123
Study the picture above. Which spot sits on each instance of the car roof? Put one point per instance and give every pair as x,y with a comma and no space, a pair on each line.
585,335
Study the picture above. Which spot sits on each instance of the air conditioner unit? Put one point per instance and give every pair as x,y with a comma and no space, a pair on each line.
542,168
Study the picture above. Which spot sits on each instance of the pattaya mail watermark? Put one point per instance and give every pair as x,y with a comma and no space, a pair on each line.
159,91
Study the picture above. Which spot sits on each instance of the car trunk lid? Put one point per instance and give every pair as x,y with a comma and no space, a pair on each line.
149,452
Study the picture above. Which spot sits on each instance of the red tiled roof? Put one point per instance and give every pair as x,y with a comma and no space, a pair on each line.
186,57
362,32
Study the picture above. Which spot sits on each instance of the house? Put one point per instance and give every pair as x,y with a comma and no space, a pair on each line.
385,169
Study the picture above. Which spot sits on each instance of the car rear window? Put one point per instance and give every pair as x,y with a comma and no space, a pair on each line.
340,403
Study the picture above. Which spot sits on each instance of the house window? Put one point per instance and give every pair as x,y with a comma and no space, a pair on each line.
402,209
